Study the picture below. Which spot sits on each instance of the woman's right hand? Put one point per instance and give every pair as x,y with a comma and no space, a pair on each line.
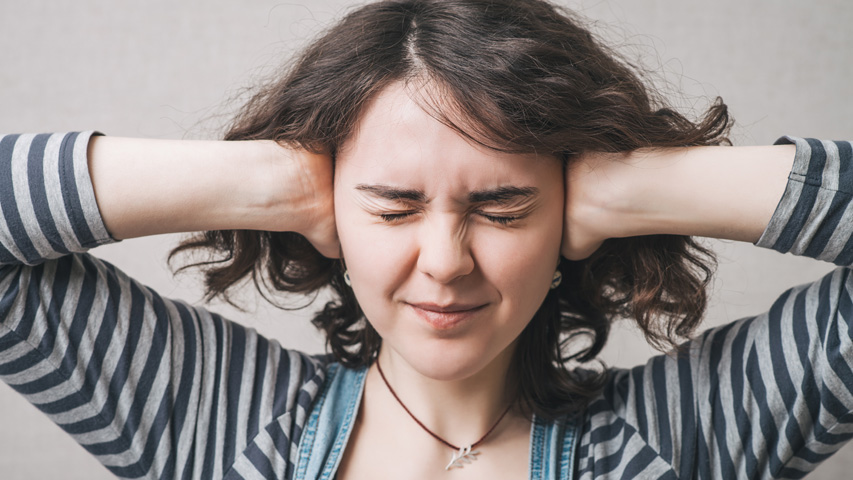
303,195
148,187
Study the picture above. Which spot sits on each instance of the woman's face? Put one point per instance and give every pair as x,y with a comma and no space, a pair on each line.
451,247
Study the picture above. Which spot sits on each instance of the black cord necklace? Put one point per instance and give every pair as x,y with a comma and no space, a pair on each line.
462,455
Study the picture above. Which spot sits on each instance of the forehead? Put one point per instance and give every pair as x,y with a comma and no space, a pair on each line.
398,142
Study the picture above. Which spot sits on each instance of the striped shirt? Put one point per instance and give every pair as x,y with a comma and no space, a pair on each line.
156,388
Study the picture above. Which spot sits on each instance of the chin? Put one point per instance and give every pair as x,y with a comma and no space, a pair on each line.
448,361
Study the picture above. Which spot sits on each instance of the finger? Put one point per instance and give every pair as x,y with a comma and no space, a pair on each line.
330,250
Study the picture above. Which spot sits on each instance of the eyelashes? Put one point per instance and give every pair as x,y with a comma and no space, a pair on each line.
394,217
498,219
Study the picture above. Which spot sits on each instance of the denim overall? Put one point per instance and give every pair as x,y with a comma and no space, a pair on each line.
327,431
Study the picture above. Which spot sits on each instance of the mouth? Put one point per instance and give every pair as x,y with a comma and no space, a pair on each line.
446,317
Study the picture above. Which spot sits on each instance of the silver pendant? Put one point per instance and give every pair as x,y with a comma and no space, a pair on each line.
462,457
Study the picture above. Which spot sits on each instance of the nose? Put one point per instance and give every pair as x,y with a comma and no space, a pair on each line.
445,254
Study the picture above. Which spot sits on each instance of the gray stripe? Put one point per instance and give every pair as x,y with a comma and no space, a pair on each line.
789,200
86,191
53,187
23,199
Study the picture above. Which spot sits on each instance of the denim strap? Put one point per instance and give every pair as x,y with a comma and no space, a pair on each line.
552,449
330,424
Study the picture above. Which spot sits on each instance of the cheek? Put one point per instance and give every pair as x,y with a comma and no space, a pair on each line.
521,265
376,256
521,262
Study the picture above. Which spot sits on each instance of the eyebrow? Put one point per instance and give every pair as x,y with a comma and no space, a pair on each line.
503,195
500,195
394,193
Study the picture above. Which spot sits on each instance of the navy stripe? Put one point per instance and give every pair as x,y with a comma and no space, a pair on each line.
236,357
38,194
10,206
21,280
737,352
189,468
233,475
661,404
259,385
704,461
845,166
611,462
845,257
806,201
817,162
607,432
689,443
280,438
70,196
840,201
766,422
7,302
210,447
281,382
260,461
190,342
827,323
717,342
640,401
837,207
638,462
801,339
778,359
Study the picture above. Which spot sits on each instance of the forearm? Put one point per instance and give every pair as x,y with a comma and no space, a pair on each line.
146,187
719,192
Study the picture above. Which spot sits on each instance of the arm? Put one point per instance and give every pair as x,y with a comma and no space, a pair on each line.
766,396
719,192
147,187
151,387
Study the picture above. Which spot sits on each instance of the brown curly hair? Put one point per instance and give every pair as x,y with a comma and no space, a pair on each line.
523,76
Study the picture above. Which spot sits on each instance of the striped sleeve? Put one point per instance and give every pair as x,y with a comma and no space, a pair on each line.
768,396
152,387
815,216
46,198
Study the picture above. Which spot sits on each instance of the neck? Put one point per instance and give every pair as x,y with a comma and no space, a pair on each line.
459,410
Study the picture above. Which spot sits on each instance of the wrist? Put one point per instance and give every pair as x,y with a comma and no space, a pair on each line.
296,195
291,189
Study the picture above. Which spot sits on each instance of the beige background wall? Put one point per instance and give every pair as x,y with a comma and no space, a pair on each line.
166,68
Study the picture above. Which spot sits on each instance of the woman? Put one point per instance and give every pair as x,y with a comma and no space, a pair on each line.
458,273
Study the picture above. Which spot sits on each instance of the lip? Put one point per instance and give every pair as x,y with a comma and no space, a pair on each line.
448,316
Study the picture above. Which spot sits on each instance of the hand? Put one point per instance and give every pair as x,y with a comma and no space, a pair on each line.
302,196
594,185
320,227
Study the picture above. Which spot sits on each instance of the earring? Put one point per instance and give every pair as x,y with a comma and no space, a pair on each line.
558,277
346,278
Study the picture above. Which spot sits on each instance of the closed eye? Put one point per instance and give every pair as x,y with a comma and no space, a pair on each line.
500,219
394,217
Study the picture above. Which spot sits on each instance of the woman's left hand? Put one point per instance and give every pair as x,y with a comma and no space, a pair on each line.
597,191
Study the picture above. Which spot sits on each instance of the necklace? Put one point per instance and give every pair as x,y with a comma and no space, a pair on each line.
461,455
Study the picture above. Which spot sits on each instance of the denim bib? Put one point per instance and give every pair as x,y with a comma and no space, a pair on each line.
330,424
